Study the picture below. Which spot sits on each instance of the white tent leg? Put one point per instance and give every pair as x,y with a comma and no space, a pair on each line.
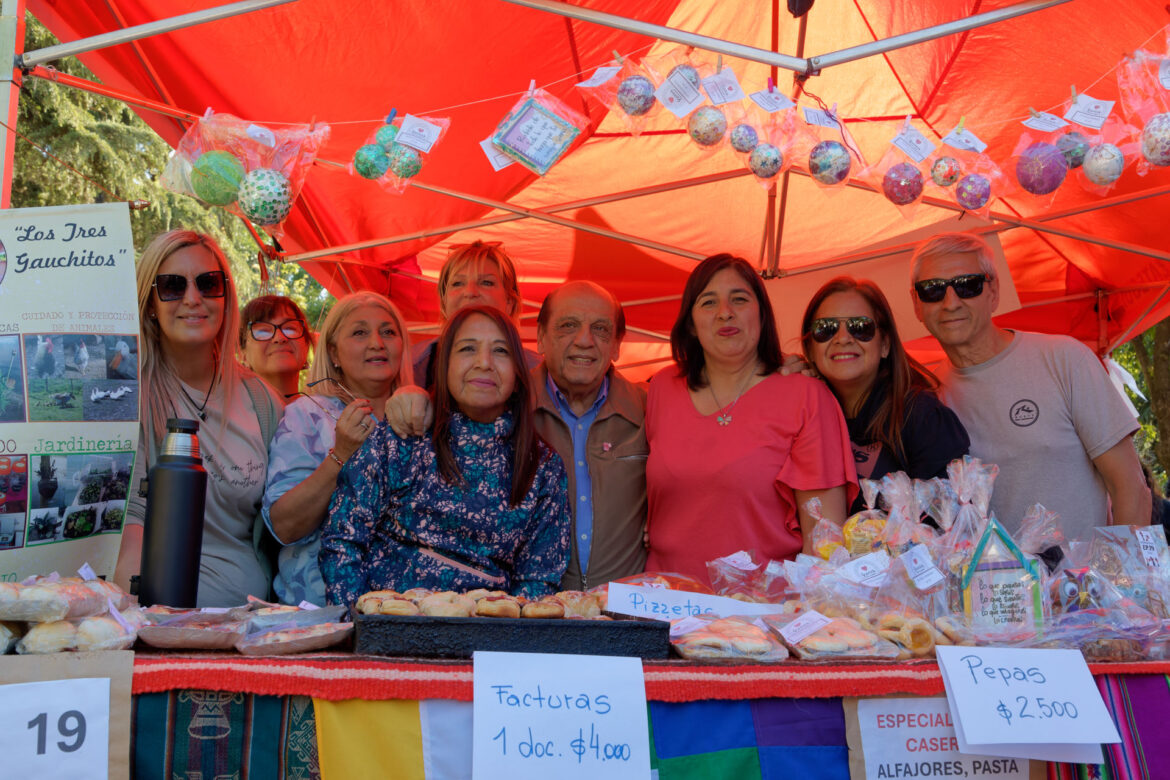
11,40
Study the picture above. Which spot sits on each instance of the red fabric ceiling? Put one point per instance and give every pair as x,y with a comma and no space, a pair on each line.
347,64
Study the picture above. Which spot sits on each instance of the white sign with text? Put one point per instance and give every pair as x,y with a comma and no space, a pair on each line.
666,604
57,729
565,716
1025,703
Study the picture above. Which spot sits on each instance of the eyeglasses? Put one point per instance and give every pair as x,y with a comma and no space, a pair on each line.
343,389
860,328
172,287
966,286
266,331
316,403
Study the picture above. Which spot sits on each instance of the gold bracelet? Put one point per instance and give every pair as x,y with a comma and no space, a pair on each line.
337,460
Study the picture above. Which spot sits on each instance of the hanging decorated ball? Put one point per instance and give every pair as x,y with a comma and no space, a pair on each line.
265,196
1156,140
765,160
902,184
216,177
1103,164
370,161
829,162
743,138
707,126
404,161
946,171
973,191
636,95
692,75
1041,168
385,136
1073,146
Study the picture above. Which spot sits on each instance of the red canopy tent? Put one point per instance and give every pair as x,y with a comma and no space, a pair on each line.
1095,267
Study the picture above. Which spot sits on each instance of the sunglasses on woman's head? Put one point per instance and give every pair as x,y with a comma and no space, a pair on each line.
172,287
266,331
860,328
966,286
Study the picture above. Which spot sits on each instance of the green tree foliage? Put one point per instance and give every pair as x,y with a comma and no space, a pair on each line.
1147,357
110,144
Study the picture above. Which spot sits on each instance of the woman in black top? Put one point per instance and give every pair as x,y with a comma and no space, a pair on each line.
895,420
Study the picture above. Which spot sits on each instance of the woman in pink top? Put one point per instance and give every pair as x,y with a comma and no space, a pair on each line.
736,448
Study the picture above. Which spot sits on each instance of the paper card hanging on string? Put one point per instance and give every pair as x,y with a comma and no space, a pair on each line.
497,159
771,100
723,87
538,131
914,144
1044,122
418,133
679,95
1089,111
820,118
961,138
600,76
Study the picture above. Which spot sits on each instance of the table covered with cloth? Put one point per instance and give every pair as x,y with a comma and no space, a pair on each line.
214,715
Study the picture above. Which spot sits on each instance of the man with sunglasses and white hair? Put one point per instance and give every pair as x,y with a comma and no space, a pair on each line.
1039,406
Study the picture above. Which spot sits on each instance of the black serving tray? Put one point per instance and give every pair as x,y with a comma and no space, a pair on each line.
452,637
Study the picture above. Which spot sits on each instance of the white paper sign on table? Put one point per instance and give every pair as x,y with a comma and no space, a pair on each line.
679,95
1089,111
57,729
915,737
666,604
723,87
565,716
1025,703
418,133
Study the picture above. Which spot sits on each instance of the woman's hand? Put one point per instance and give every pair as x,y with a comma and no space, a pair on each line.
409,411
353,426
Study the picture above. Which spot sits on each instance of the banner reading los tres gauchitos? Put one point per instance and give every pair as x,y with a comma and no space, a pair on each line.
69,395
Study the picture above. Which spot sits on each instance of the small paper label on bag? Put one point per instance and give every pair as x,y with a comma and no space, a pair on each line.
867,570
723,87
495,157
1149,550
820,118
916,146
808,623
600,76
1089,111
771,101
679,95
740,560
418,133
964,139
1045,122
262,135
920,566
86,572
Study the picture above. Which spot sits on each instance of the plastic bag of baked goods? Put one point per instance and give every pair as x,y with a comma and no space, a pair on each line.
1040,534
294,632
903,529
737,639
193,629
863,531
49,598
1135,559
939,501
745,576
826,534
813,636
111,631
911,607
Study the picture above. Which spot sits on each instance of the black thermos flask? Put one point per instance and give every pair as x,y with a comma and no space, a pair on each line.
172,538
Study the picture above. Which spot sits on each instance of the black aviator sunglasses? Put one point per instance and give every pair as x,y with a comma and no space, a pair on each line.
861,328
172,287
966,286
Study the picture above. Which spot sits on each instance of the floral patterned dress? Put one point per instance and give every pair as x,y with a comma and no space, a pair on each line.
395,523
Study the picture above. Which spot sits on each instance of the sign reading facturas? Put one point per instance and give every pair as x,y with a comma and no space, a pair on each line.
1025,703
564,716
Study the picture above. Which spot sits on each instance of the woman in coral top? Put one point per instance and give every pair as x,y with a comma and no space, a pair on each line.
737,448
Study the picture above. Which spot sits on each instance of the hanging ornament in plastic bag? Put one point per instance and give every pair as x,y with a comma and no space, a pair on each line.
707,125
743,138
829,162
265,196
371,161
1103,164
765,160
1041,168
1073,145
902,184
1156,140
216,177
945,171
404,161
385,136
635,95
973,191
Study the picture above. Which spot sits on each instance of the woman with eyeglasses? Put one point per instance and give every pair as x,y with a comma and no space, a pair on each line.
189,321
275,340
737,448
890,401
363,358
479,501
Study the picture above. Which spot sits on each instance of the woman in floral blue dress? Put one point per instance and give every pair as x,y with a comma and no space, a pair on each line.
477,502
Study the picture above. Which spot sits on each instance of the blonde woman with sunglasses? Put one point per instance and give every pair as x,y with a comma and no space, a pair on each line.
189,320
890,401
362,358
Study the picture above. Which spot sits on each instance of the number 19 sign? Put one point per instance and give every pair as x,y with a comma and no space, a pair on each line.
562,716
57,729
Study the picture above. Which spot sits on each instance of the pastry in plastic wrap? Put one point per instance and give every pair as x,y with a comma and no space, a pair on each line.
839,638
50,599
105,632
579,603
193,630
53,636
296,639
725,639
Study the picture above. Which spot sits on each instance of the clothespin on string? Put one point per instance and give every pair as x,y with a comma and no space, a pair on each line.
719,64
1074,94
959,128
620,59
906,124
531,87
771,84
1033,113
390,117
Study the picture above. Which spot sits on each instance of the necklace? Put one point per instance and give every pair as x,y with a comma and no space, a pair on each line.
200,409
723,415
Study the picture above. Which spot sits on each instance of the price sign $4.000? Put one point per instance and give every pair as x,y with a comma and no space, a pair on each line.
55,729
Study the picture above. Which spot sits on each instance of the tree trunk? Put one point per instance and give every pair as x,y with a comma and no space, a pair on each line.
1154,360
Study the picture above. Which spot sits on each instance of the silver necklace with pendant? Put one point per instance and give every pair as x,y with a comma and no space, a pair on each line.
723,413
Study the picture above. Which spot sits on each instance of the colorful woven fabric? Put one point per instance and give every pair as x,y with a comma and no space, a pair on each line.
192,734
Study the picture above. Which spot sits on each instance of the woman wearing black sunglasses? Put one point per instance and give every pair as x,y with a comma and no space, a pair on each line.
895,420
275,340
189,321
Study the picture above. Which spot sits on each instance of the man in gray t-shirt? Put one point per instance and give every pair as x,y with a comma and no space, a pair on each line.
1040,407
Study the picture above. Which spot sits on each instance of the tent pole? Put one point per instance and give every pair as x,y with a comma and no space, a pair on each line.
1133,325
766,242
929,33
782,208
55,52
11,40
728,48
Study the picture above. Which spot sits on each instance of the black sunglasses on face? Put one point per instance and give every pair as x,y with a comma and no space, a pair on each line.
172,287
266,331
966,286
860,328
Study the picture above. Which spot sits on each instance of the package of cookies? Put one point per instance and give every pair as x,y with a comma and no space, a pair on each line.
193,630
863,532
734,639
812,636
